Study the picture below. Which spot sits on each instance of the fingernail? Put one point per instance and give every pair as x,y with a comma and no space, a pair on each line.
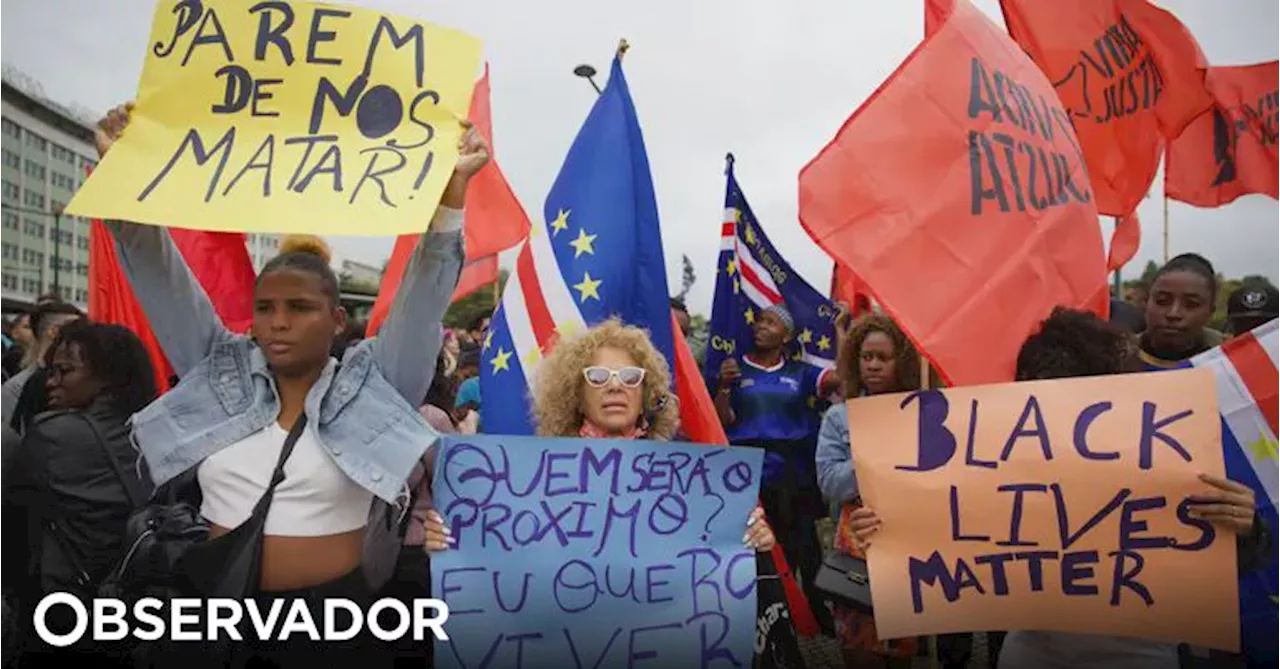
452,541
447,531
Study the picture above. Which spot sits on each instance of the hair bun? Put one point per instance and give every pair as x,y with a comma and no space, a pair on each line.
306,244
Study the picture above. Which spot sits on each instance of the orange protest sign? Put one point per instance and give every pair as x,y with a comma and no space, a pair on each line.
1048,505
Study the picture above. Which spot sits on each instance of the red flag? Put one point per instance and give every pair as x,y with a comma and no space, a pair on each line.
968,221
935,12
475,275
1124,241
1129,73
1230,151
494,220
111,299
699,420
848,288
220,262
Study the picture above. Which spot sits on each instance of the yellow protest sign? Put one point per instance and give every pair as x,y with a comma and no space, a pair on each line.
1049,505
269,116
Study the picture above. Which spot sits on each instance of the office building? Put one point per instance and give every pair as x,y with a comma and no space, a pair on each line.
46,149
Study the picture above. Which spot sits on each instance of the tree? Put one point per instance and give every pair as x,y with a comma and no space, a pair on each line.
688,278
1149,273
480,303
1257,280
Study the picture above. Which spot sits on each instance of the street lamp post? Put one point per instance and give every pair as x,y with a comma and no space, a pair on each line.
57,249
587,72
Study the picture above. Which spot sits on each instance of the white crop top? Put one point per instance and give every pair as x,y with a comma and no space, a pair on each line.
315,498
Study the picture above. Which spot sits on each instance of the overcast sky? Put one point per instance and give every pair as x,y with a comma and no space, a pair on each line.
770,81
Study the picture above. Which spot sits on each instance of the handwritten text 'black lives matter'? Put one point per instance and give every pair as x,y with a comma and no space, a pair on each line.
618,511
1016,563
316,158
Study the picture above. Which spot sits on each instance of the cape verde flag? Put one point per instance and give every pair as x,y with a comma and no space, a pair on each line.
750,276
598,254
1245,368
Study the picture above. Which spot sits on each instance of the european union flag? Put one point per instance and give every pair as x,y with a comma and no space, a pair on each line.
598,254
750,276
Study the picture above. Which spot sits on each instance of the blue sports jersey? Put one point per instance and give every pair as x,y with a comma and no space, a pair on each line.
777,408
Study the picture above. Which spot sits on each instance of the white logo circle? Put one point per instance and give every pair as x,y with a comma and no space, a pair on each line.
61,640
371,620
1254,299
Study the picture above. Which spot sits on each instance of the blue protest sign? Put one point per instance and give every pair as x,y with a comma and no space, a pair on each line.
594,553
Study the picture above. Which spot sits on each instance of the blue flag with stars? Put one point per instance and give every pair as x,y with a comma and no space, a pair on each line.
750,276
598,255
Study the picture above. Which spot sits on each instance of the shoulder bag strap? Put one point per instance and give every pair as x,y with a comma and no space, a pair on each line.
264,503
129,491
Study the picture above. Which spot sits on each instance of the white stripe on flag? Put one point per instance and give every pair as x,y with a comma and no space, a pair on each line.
518,323
748,260
1242,417
555,290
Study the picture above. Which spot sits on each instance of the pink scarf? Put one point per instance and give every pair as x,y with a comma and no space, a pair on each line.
590,430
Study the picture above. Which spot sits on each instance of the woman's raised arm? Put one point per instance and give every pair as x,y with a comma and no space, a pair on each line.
179,311
408,344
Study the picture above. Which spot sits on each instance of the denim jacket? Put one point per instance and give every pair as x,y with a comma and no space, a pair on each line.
833,459
363,413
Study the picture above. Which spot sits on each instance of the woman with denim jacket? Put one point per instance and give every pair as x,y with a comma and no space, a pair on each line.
240,395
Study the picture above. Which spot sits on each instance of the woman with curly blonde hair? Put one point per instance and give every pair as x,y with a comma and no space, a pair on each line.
575,393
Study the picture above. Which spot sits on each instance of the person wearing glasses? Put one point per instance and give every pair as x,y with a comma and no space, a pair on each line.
608,383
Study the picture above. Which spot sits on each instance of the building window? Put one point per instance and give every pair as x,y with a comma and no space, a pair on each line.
63,155
34,170
10,220
33,199
36,141
66,237
10,281
11,159
10,251
33,227
82,295
82,269
30,257
10,189
59,263
31,286
11,129
83,243
62,181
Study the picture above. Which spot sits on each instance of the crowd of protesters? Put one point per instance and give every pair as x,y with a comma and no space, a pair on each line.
351,425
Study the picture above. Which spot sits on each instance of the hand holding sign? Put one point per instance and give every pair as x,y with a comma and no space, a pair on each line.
111,126
759,535
1231,505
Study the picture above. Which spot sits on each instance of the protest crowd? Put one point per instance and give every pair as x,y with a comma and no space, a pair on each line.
300,456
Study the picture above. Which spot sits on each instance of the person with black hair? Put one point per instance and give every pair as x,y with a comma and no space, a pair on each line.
23,395
74,481
1071,344
354,428
1179,307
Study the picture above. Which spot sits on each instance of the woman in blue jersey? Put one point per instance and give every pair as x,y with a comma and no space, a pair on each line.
1179,306
771,401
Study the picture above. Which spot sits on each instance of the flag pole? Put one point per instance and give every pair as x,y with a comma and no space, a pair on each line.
1116,281
1166,228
